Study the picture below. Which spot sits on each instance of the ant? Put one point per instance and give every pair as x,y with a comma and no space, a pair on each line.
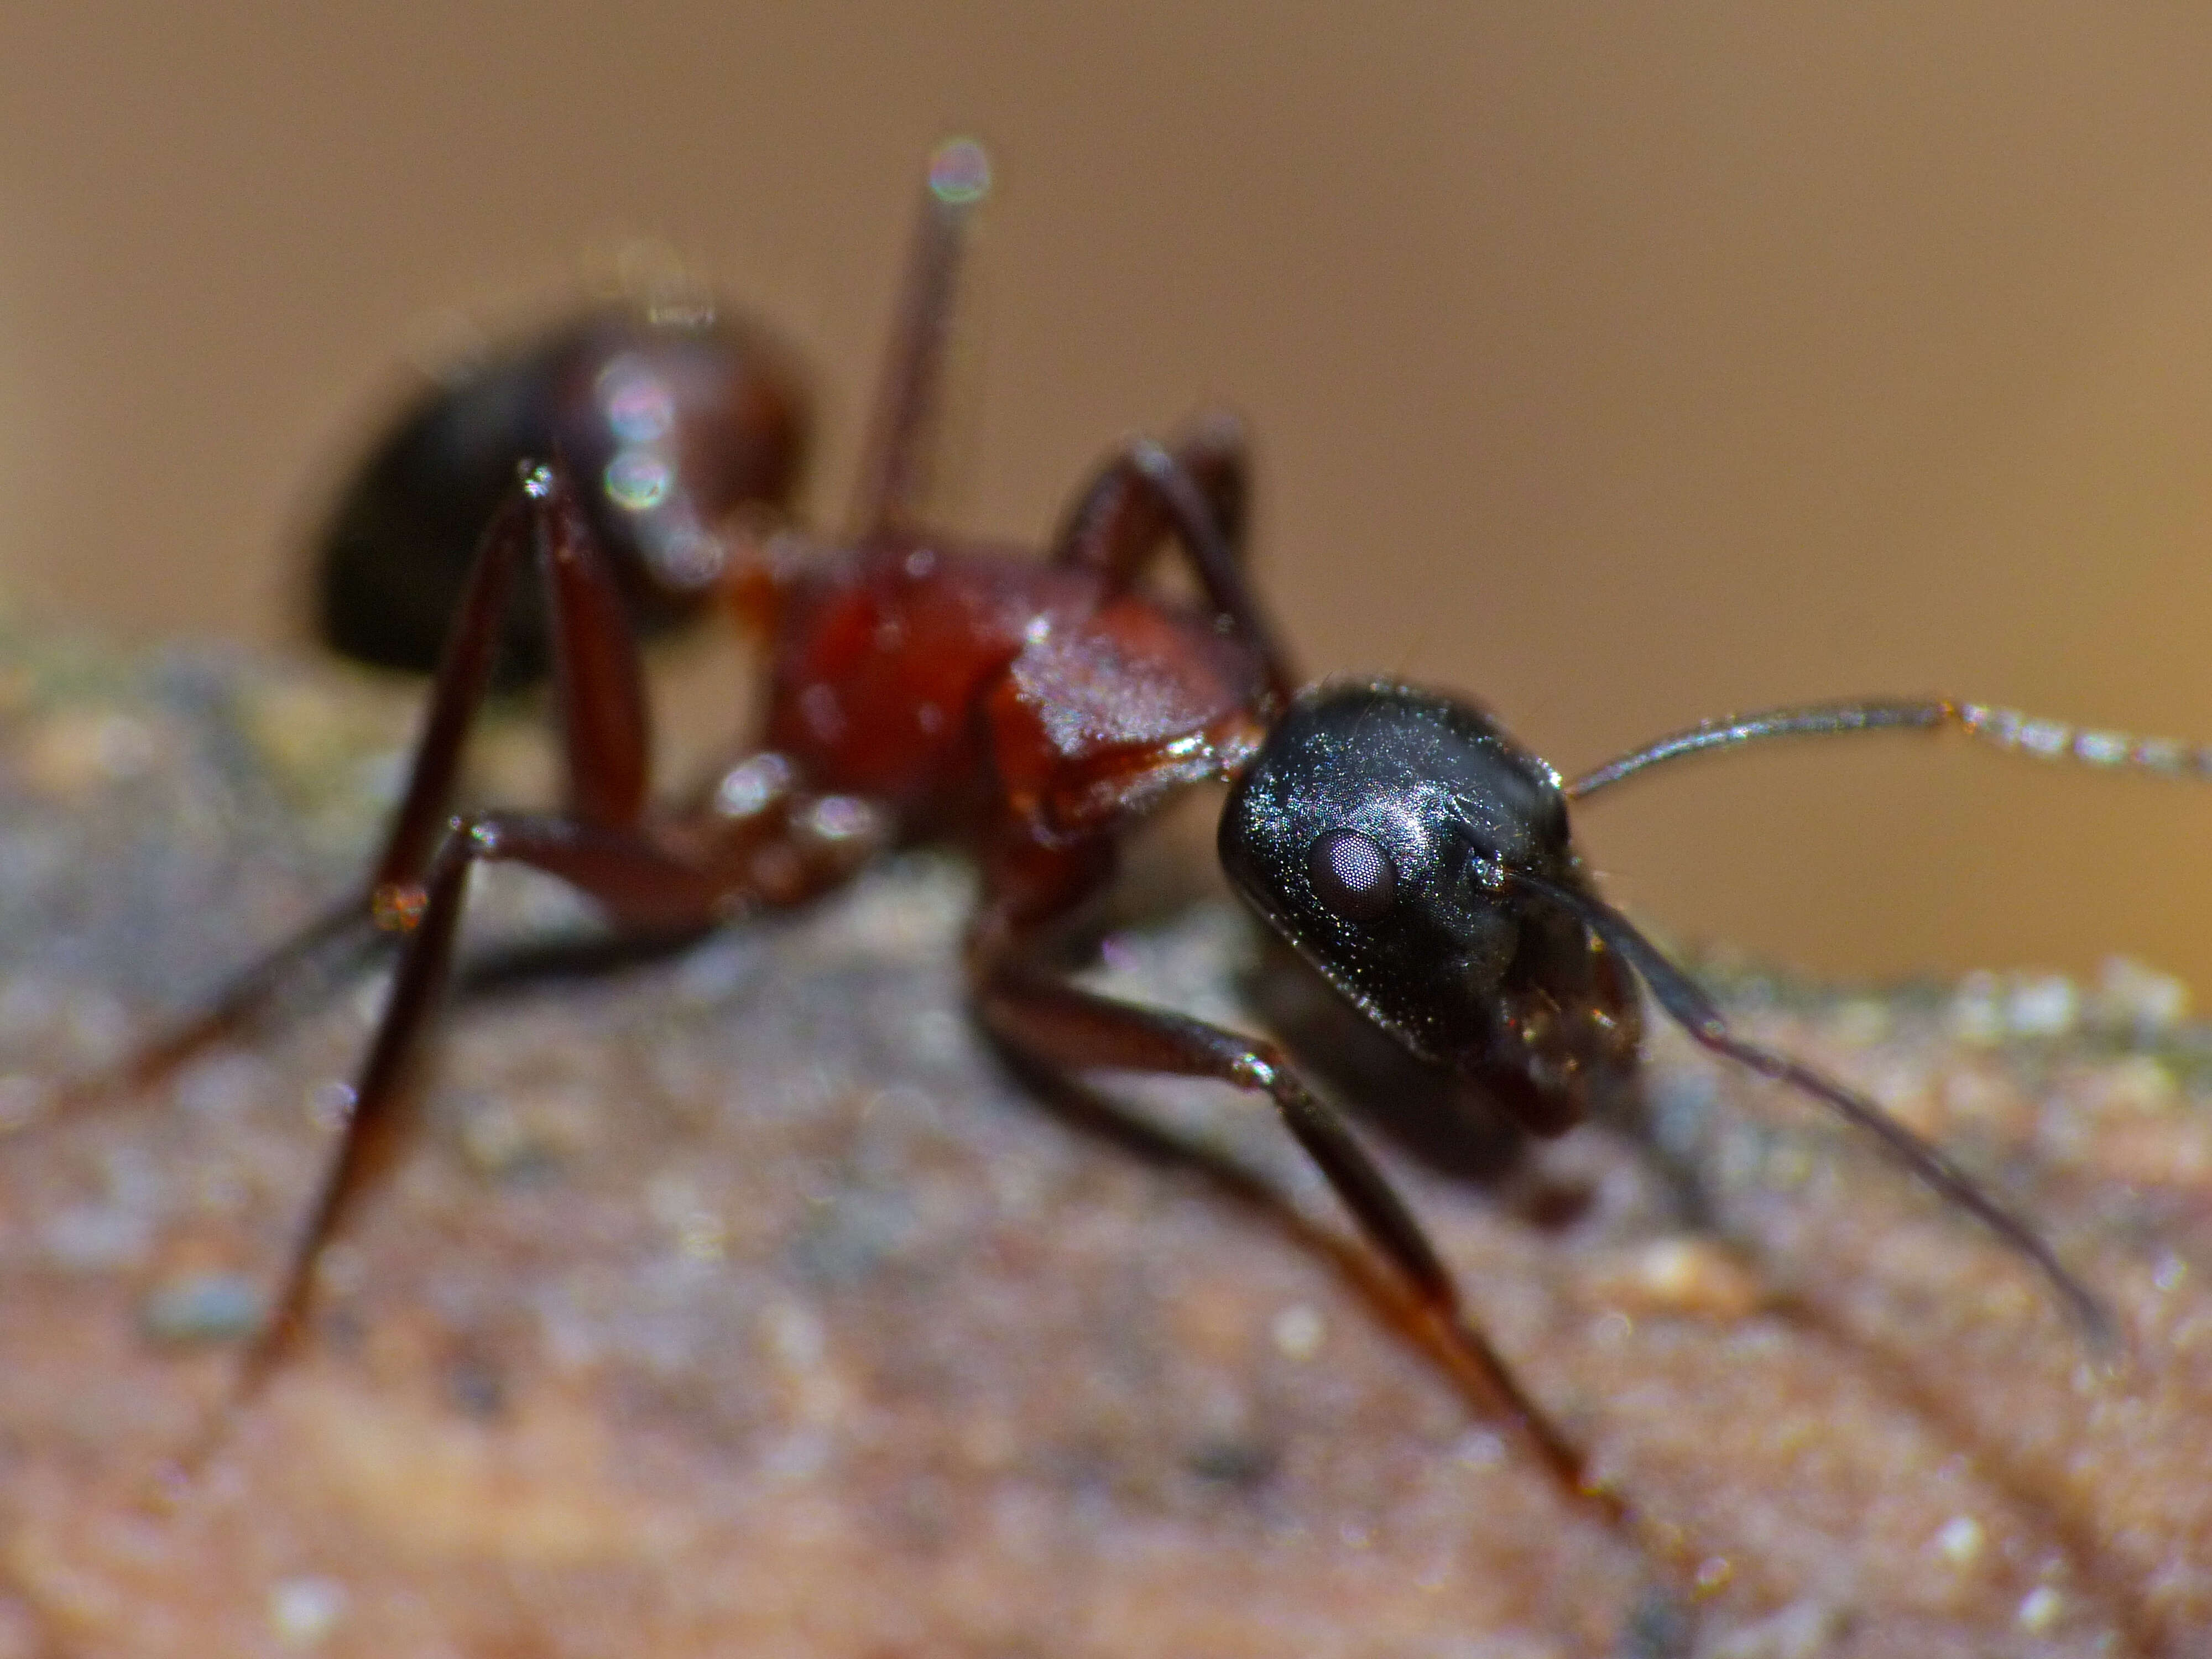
923,686
678,413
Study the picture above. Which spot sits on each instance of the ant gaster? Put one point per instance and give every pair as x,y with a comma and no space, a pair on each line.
675,413
921,685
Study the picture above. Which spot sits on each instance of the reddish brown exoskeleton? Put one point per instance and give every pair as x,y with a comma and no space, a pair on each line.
674,414
1033,710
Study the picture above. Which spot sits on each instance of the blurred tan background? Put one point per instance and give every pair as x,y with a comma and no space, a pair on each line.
1620,365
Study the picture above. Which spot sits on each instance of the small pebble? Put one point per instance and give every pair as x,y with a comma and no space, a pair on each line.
526,1132
330,1104
1690,1276
1805,1628
1988,1009
1479,1449
1960,1540
203,1307
2039,1609
303,1611
96,1237
2139,999
2137,1083
2042,1006
1299,1332
1976,1014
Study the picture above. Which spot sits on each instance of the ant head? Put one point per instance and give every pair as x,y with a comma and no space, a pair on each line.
1376,830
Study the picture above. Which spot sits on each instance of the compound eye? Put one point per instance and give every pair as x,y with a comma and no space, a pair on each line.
1351,875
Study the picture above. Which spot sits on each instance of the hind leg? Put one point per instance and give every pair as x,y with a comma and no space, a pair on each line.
657,878
606,740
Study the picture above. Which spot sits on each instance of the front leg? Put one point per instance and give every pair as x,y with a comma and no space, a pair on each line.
1042,1015
1119,522
1192,491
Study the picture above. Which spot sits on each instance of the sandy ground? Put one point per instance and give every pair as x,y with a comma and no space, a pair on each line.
745,1301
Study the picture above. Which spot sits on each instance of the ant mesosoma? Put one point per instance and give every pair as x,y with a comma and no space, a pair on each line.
925,686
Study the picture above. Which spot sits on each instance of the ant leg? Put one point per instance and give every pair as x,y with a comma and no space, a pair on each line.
1062,1025
781,859
1119,521
895,477
461,679
598,685
604,737
2001,728
231,1008
1194,490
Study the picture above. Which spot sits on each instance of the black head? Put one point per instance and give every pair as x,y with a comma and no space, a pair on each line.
1418,858
1376,831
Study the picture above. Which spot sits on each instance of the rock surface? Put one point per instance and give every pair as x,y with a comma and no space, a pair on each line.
743,1302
